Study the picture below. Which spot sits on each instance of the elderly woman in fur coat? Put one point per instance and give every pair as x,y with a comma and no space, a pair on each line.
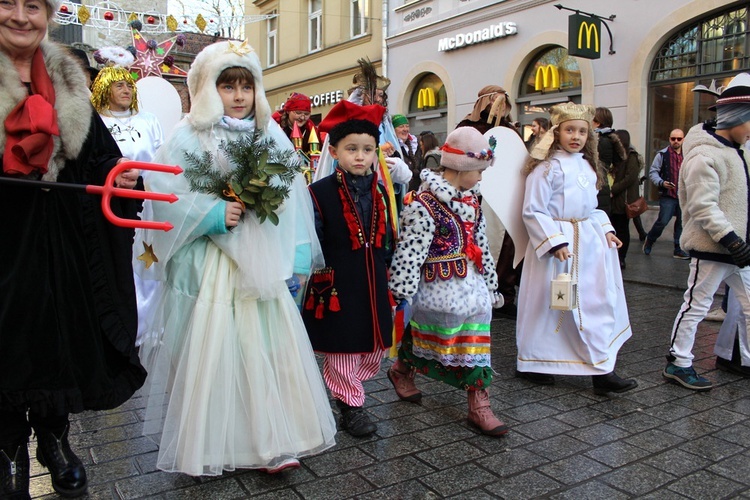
67,313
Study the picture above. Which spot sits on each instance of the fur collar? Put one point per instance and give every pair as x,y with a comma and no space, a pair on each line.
71,103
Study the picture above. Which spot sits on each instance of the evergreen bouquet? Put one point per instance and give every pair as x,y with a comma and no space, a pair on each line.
260,177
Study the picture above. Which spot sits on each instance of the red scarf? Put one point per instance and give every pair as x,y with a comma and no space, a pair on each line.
30,126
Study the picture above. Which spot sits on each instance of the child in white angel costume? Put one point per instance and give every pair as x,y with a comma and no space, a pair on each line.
560,215
233,381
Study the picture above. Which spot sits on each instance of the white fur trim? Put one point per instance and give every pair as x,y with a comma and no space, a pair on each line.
206,107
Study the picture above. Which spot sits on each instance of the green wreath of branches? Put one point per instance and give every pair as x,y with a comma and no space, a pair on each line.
261,177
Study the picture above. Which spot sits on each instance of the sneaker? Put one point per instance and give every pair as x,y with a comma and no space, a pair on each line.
647,246
681,254
686,377
289,463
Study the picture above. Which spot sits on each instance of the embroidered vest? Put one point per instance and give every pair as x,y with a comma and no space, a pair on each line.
446,257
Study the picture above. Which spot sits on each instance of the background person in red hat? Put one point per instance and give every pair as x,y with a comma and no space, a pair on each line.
297,110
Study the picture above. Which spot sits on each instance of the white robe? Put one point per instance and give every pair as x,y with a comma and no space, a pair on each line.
584,341
138,136
233,381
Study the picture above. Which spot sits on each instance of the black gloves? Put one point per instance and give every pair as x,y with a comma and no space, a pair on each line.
740,252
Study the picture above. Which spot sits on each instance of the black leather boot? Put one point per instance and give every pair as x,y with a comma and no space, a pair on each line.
355,421
611,383
65,468
14,471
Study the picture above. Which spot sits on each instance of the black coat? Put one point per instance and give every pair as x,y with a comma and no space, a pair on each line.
358,276
68,315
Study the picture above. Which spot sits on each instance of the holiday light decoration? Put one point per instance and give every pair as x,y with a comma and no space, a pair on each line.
108,15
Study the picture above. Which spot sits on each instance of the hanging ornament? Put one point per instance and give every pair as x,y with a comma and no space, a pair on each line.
132,17
150,19
109,16
64,9
200,22
83,14
171,23
151,57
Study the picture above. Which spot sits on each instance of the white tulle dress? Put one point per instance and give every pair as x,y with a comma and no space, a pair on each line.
233,381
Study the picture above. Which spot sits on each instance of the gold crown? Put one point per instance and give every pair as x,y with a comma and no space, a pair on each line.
570,111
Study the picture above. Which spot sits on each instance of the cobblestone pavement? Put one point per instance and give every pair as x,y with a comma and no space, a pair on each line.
658,441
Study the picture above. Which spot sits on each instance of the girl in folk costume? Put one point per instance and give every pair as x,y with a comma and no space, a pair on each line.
347,309
560,214
233,382
443,267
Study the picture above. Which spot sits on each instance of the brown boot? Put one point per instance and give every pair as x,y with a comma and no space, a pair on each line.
481,416
402,378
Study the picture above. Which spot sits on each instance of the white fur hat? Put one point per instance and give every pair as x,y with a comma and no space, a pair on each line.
206,107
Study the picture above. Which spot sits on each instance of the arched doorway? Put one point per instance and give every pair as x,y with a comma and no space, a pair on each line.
550,78
428,106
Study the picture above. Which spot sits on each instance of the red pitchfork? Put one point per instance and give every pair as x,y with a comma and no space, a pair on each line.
108,190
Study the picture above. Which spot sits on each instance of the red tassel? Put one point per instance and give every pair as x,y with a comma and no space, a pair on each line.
310,303
333,304
319,309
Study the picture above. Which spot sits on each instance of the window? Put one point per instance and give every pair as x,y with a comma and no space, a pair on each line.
315,18
551,78
271,46
359,17
709,51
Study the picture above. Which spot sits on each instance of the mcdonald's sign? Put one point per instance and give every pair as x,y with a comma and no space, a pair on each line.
547,78
584,36
426,98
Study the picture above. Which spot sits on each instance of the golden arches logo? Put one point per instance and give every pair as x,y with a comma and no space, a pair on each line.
590,29
547,77
426,98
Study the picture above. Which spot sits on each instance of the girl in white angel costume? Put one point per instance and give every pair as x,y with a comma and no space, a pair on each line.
233,381
560,214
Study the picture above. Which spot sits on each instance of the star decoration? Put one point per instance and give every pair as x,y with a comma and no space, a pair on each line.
240,49
560,295
150,62
148,256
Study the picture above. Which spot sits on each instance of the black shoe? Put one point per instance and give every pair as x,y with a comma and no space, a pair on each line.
611,383
508,311
728,366
355,421
14,472
537,378
65,468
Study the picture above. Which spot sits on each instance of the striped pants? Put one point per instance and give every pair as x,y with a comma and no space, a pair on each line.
703,281
344,374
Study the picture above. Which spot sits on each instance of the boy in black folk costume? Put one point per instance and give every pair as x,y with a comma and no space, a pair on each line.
347,307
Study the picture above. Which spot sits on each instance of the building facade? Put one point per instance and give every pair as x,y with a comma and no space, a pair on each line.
312,47
441,52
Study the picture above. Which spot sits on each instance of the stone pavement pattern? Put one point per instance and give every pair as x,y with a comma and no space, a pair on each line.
658,441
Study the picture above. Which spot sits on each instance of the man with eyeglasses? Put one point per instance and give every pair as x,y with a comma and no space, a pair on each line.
664,174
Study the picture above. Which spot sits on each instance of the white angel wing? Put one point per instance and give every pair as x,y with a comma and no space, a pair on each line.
503,186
